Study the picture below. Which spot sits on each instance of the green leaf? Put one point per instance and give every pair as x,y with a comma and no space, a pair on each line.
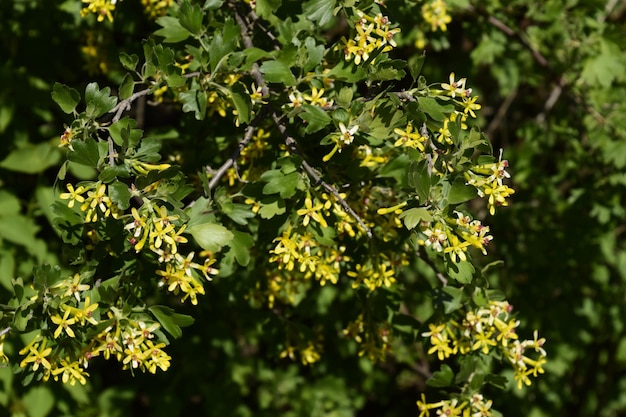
85,153
283,184
348,72
271,206
120,194
126,87
18,229
223,43
129,61
432,107
32,159
320,11
442,378
412,217
315,117
314,53
604,68
416,62
460,192
497,381
98,101
462,272
454,300
38,401
212,4
170,320
66,97
123,132
277,72
191,18
419,178
242,102
211,236
195,101
171,30
240,247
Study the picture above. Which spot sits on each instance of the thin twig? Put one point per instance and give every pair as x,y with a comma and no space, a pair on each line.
317,179
5,331
500,25
290,141
240,146
501,113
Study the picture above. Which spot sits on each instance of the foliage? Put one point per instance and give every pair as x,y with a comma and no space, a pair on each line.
268,201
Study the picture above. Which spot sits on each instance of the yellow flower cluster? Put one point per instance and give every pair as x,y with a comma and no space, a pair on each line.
409,137
101,8
488,329
96,204
301,252
374,338
154,227
435,13
309,351
372,34
156,8
475,406
455,236
488,180
76,318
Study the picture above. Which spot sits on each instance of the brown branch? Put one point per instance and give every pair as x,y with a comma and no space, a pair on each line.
290,141
240,146
500,25
501,113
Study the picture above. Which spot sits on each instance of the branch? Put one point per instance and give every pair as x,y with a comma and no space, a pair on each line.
500,25
290,141
317,179
5,331
242,144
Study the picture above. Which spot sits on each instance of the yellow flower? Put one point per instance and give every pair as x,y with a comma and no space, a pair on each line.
73,195
312,212
64,324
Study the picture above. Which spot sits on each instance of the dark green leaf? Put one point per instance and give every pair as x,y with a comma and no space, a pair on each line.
126,87
432,107
171,30
210,236
120,194
442,378
85,153
191,18
170,320
195,101
315,117
98,101
419,177
277,72
320,11
462,272
242,102
129,61
416,62
32,159
66,97
240,247
278,182
412,217
454,299
460,192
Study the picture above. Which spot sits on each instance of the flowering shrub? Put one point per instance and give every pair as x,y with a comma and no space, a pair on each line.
298,160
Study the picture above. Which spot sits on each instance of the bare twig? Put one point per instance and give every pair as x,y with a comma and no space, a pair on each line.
290,141
501,113
317,179
500,25
5,331
240,146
